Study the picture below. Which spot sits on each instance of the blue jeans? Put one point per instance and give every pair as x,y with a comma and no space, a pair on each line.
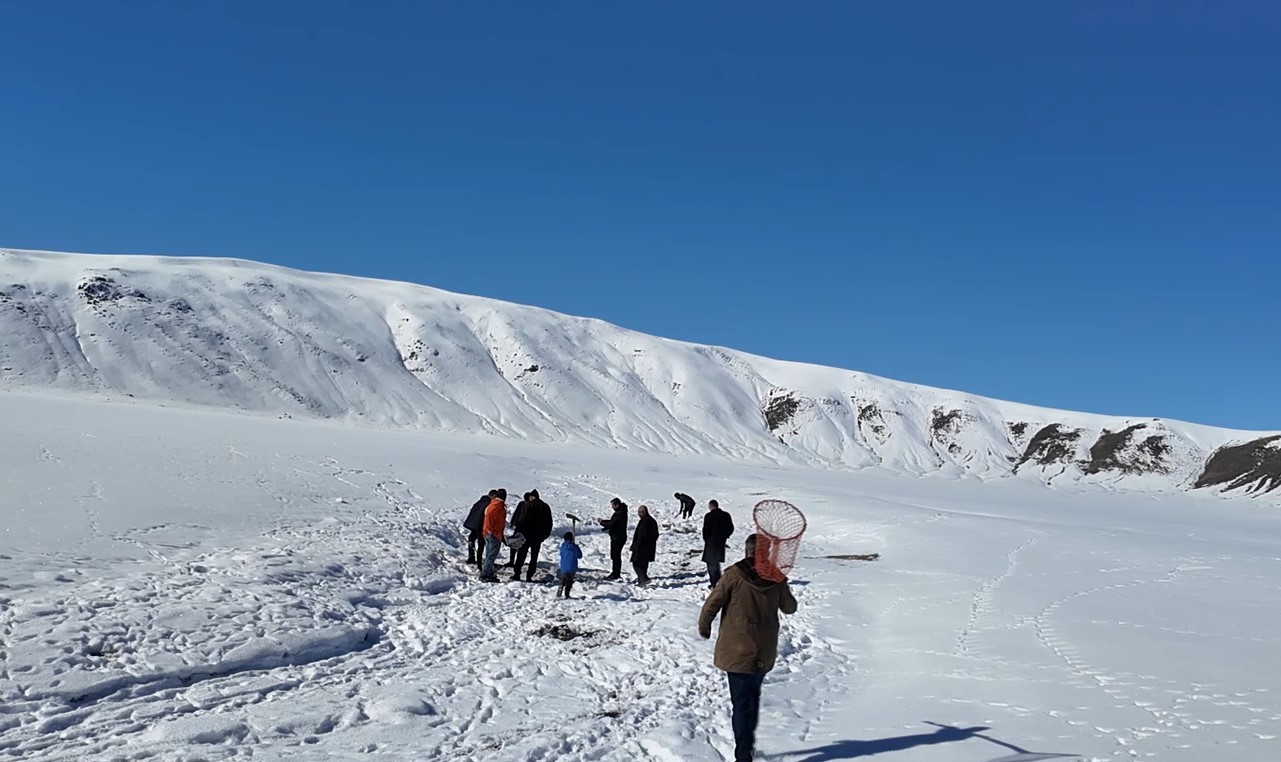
713,572
745,695
492,544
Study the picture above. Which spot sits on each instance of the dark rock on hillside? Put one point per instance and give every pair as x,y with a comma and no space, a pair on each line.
99,289
871,421
1254,465
779,408
1054,443
945,425
1114,451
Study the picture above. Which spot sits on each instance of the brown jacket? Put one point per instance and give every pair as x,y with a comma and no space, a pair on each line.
748,640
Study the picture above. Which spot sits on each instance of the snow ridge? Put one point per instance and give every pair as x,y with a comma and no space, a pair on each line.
269,340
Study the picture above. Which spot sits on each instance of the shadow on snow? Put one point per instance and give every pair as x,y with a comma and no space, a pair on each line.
852,749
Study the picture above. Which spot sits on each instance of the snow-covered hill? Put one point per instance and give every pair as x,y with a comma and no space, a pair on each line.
260,338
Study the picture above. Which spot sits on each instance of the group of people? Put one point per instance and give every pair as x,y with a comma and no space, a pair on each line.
487,528
487,524
747,603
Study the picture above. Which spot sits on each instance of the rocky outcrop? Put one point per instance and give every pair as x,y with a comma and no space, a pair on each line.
945,426
1053,444
1129,452
871,422
779,408
1254,467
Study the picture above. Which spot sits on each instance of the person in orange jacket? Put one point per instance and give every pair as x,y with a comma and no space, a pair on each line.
495,525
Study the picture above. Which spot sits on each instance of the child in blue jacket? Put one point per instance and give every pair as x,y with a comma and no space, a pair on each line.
569,555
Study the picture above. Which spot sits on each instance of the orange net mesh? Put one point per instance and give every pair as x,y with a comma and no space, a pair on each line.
779,526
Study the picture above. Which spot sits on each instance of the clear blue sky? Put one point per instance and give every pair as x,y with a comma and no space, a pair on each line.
1072,204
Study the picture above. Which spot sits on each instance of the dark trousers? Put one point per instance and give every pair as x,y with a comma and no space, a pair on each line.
566,582
713,572
475,548
642,570
745,695
532,549
616,555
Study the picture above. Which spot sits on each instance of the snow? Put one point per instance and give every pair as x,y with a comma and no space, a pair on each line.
185,582
284,343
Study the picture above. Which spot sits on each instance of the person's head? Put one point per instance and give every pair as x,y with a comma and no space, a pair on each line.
569,537
615,502
493,493
676,495
501,493
528,496
533,494
642,511
712,505
749,546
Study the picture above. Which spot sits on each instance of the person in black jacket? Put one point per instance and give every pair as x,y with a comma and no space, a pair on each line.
616,525
475,520
644,544
517,526
717,528
687,505
536,526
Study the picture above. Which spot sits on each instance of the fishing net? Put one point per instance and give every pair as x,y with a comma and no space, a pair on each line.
779,526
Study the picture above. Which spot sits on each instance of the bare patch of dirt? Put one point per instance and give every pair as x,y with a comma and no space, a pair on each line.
855,556
562,631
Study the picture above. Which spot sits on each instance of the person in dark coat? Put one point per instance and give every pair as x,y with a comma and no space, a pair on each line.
475,521
644,544
717,528
616,525
536,526
517,525
687,505
747,645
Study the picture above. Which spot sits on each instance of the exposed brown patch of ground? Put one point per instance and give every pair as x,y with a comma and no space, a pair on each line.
1254,465
1054,443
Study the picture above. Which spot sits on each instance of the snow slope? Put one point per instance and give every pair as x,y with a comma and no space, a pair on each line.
252,337
182,584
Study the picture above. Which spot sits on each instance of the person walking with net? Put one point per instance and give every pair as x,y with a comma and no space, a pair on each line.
747,644
717,528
